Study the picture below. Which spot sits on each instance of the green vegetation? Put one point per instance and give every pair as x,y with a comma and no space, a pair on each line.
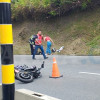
33,9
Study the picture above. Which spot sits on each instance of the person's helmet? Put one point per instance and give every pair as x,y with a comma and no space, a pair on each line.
53,50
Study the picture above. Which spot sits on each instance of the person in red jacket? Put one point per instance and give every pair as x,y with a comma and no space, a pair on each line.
49,44
38,44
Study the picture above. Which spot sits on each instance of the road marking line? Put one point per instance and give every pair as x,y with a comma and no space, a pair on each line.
89,73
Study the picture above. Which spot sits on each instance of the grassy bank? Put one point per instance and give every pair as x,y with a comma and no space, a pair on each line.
78,32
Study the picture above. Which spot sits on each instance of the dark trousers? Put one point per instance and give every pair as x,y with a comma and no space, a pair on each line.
32,50
41,48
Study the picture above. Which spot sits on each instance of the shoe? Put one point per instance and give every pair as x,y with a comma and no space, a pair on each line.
46,58
34,58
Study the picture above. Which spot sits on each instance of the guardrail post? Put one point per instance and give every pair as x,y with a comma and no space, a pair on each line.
6,41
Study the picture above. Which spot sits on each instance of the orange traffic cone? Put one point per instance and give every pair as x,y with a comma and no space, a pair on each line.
55,70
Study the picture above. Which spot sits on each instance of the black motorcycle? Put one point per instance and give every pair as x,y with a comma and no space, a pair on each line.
26,74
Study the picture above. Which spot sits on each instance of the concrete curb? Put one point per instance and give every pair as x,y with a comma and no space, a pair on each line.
0,92
24,94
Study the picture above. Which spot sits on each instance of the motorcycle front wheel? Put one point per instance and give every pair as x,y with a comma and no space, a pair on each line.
24,77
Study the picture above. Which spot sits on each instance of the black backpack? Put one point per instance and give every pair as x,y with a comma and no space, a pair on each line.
32,39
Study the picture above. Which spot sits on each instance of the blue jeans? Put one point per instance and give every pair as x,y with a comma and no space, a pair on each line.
41,48
48,50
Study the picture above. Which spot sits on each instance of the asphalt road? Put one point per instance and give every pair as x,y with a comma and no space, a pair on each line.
80,81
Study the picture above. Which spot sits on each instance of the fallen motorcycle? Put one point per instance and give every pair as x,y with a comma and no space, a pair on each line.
26,74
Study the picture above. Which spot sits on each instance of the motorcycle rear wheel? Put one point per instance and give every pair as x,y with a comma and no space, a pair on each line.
24,77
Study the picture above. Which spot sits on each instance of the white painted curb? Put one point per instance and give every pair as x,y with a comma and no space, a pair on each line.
24,94
0,92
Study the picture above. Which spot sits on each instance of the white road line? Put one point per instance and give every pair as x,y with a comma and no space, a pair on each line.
89,73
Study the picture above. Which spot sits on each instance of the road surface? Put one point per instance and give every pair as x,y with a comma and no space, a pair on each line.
80,81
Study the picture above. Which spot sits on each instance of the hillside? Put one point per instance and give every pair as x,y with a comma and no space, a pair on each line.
77,31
